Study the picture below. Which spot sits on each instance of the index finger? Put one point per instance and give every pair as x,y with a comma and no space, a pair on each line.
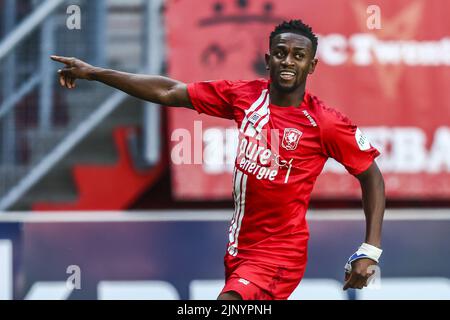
64,60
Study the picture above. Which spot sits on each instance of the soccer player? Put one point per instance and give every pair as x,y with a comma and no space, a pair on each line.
286,135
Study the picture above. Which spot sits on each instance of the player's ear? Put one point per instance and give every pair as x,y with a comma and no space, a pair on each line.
313,65
267,57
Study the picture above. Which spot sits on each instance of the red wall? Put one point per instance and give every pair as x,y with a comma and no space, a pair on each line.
393,82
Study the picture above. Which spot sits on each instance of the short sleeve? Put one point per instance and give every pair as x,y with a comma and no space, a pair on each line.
345,142
214,98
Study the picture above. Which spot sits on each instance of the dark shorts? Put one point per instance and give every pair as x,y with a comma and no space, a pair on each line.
261,281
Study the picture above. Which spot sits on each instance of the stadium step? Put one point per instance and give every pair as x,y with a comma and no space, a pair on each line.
82,101
99,149
11,174
98,165
40,142
108,187
125,23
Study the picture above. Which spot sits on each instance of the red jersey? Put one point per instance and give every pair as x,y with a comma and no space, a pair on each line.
281,152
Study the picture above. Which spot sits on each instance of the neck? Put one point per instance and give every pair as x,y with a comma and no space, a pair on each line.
287,99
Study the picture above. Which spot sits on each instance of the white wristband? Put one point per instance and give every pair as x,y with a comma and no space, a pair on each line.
366,251
370,251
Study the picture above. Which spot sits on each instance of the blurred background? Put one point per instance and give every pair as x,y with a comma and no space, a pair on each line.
92,188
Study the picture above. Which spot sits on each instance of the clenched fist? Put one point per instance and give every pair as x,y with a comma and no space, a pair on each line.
360,274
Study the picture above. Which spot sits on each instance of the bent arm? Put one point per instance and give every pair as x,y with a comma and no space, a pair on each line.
156,89
373,196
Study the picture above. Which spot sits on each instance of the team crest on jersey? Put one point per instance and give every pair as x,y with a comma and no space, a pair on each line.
291,138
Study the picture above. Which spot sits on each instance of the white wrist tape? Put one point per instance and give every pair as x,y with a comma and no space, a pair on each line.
365,251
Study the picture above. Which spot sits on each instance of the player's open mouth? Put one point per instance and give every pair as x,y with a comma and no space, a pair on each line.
287,75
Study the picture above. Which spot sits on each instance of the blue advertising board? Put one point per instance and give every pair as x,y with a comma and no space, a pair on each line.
184,260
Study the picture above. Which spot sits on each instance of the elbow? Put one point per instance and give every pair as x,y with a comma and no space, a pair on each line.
177,95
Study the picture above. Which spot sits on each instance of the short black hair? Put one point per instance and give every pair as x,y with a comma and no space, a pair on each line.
296,26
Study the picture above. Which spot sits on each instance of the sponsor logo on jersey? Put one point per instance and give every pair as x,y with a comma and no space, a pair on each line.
363,142
311,120
243,281
291,138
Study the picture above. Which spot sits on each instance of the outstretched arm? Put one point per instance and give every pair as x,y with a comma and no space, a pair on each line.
373,195
156,89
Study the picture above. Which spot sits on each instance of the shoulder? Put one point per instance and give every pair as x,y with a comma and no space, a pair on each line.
245,92
231,87
256,83
327,116
247,86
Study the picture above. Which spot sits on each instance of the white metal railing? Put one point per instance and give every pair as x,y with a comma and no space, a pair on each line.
42,17
28,26
21,92
62,149
213,215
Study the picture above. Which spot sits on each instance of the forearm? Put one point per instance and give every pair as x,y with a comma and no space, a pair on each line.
156,89
373,196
